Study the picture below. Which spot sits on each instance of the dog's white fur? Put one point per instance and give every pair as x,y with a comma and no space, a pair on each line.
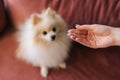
40,50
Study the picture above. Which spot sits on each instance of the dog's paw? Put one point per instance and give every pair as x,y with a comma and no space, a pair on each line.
62,65
44,71
18,55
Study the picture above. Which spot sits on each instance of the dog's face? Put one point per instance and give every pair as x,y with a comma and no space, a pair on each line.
47,32
48,26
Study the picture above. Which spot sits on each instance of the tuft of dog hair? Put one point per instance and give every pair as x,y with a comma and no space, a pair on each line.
43,41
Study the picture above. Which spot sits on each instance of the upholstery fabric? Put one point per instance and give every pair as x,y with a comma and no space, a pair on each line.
2,16
105,12
83,63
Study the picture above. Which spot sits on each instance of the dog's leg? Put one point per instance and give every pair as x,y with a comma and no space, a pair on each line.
44,71
62,65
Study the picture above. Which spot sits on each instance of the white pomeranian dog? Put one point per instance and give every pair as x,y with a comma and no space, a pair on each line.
43,41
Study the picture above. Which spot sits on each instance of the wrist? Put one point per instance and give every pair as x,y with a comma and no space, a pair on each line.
116,36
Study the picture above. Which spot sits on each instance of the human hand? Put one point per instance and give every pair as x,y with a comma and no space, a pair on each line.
94,36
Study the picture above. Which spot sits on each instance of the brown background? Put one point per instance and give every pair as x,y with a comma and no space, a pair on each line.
73,11
2,16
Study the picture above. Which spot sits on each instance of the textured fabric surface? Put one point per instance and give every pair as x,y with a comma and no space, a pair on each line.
105,12
2,16
83,64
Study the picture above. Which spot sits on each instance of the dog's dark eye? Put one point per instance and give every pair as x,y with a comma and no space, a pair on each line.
54,29
44,32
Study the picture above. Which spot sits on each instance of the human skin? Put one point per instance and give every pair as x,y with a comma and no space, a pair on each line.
95,35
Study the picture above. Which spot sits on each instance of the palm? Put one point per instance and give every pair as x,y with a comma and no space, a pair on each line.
102,41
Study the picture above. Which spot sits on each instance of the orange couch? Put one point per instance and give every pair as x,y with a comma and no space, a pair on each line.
84,63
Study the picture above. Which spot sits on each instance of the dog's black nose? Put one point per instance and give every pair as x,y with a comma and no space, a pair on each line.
53,37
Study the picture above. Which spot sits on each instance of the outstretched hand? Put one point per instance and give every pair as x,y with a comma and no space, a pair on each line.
94,36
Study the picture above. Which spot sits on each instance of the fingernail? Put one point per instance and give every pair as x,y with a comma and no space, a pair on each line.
69,31
68,34
77,39
77,25
72,37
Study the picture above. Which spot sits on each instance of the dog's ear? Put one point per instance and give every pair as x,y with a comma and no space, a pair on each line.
35,19
50,12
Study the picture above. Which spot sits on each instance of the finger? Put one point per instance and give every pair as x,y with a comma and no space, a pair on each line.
83,41
73,36
77,35
85,27
71,30
87,40
76,31
92,39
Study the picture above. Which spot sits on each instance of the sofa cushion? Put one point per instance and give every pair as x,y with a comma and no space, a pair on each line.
105,12
83,64
2,16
